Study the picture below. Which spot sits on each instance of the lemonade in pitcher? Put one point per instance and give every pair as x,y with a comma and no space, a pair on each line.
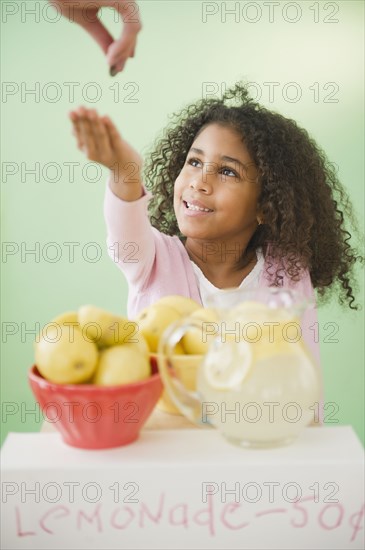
256,379
258,383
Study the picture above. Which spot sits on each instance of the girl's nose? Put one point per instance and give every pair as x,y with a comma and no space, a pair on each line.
204,180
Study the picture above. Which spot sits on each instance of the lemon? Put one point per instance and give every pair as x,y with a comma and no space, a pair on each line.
122,364
257,312
196,340
65,357
67,317
227,364
182,305
153,320
250,312
179,349
105,328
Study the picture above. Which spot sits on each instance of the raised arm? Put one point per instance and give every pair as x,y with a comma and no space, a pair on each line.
131,243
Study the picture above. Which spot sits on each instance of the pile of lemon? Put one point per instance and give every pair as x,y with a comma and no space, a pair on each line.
95,346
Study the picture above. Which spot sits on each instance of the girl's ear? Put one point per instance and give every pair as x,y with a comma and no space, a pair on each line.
259,220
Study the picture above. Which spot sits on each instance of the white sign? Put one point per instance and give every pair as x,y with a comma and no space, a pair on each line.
184,489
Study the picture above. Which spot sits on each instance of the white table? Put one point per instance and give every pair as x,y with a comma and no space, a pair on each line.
184,489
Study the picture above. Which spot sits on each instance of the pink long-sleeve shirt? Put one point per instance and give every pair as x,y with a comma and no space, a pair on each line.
157,265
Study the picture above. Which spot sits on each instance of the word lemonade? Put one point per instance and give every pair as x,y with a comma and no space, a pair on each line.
257,384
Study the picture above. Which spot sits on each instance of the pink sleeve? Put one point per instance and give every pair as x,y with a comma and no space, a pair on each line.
130,238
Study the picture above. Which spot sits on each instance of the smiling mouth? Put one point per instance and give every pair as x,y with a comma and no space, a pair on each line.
190,206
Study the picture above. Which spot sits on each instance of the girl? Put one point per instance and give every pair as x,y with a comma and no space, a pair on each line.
235,195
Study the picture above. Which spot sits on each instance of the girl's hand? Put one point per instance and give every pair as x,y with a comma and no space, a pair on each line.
101,142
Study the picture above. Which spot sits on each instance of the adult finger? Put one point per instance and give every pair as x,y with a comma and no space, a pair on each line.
121,49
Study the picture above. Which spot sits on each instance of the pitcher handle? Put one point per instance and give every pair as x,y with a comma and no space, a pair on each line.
187,401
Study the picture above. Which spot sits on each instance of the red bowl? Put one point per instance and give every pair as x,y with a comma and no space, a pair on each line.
97,417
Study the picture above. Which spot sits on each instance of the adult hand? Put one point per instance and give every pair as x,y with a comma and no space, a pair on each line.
85,13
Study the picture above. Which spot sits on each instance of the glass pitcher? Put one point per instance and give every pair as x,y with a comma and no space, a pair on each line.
258,383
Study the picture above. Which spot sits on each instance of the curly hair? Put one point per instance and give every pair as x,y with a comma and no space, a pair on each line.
301,196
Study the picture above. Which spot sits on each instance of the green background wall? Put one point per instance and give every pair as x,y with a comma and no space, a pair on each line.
177,53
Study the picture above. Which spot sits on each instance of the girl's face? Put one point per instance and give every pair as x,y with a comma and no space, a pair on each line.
219,176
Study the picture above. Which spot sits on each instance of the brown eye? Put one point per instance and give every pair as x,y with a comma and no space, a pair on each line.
193,162
229,172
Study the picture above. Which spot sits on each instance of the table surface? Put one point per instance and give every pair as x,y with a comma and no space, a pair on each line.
337,445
